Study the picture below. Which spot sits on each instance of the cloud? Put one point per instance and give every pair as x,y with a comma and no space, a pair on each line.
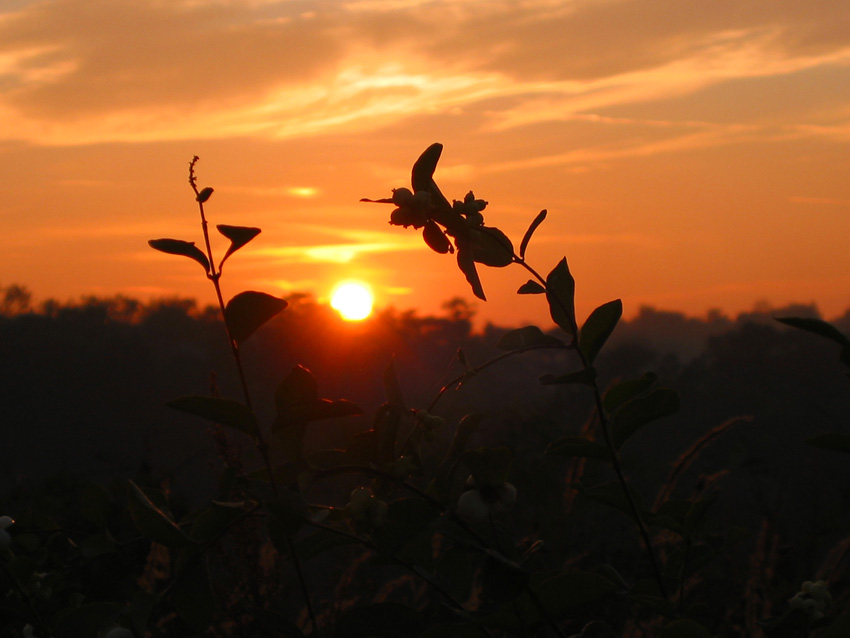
89,71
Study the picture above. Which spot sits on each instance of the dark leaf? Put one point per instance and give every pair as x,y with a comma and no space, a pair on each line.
831,441
321,541
87,620
612,495
249,310
531,287
222,411
238,236
423,169
153,523
443,478
527,337
586,376
635,414
141,606
598,327
192,594
467,266
392,387
384,200
532,227
204,195
407,519
824,329
327,409
180,247
560,293
422,175
435,238
579,446
299,388
618,394
488,466
379,620
214,520
502,581
491,247
561,596
685,628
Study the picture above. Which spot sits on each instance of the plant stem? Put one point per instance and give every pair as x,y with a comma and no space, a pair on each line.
262,445
615,456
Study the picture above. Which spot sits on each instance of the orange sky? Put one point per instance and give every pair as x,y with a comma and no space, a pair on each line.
691,155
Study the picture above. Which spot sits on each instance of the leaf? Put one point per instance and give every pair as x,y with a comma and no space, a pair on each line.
531,287
384,620
222,411
560,293
612,495
579,446
321,541
822,328
238,236
466,263
249,310
422,175
527,337
831,441
598,327
491,247
618,394
204,195
192,594
297,401
446,470
561,596
180,247
407,518
435,238
87,620
586,376
214,520
424,167
531,228
392,387
153,523
685,628
635,414
488,466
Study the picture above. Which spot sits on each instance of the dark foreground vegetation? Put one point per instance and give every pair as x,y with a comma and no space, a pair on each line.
406,476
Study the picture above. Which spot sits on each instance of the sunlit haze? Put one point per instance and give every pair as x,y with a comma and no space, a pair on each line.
692,156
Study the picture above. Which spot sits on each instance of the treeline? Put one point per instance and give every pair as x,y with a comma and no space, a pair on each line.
84,388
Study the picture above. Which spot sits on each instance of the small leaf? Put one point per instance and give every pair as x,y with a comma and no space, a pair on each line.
532,227
327,409
222,411
618,394
467,266
249,310
598,327
238,236
204,195
422,175
488,466
580,447
531,287
296,394
192,594
560,293
180,247
435,238
527,337
491,247
831,441
586,376
392,387
152,522
635,414
822,328
685,628
384,619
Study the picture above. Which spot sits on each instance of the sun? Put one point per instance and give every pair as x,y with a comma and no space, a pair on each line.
353,300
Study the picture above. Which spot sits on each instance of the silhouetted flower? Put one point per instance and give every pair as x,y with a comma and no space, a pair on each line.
449,228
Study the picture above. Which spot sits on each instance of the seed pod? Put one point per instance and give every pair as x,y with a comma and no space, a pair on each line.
435,238
408,216
204,195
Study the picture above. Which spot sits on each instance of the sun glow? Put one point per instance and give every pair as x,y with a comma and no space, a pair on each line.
352,300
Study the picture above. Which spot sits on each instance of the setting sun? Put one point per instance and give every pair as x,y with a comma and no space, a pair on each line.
352,300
